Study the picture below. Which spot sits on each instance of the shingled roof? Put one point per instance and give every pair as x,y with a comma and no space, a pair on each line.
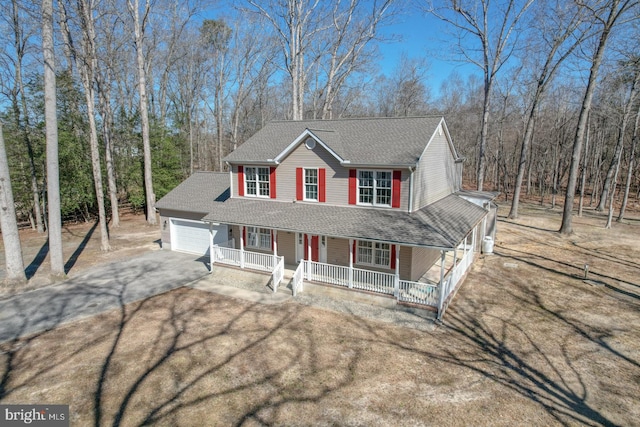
367,141
433,226
200,193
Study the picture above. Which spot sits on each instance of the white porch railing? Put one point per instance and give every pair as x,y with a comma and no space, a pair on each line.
418,293
368,280
373,281
326,273
298,279
278,274
452,279
252,260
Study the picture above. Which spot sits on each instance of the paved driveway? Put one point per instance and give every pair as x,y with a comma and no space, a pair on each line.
103,288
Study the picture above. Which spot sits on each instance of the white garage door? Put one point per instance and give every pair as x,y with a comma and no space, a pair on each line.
193,236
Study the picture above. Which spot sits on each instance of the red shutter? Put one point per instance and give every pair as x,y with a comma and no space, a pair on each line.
322,192
244,236
314,248
355,254
397,182
240,181
393,257
306,248
353,186
272,183
272,240
299,186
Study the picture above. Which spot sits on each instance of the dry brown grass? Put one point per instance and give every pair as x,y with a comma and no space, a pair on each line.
525,342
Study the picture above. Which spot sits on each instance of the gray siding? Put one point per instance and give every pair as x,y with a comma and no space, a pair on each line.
437,174
287,246
422,260
337,177
166,215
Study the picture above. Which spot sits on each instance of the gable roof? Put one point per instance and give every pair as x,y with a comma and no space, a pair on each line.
396,141
201,193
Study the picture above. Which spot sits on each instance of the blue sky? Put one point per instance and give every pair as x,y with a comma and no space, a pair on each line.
422,36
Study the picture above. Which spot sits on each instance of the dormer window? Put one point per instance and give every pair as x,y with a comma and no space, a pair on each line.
256,181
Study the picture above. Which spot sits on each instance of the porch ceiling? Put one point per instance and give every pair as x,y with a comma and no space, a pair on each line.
442,225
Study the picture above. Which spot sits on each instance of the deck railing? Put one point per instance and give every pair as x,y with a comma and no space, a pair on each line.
451,280
418,293
225,255
278,274
248,259
367,280
298,279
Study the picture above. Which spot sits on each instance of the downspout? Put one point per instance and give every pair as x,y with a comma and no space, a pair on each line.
441,287
211,255
411,170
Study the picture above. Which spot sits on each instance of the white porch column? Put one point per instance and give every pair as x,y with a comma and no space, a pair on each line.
351,255
308,256
455,258
242,246
211,254
396,280
274,236
441,286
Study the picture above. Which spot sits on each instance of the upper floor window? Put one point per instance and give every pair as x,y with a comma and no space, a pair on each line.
259,238
256,181
311,184
373,253
374,187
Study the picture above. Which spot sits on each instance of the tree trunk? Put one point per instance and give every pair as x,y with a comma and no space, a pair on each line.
584,170
632,159
144,109
614,13
8,222
23,125
51,134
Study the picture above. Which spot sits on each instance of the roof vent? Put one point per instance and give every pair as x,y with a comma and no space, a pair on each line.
310,143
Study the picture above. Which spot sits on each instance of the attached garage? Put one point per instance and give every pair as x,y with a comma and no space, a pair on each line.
193,236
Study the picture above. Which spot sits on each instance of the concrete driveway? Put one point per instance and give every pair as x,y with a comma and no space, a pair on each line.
103,288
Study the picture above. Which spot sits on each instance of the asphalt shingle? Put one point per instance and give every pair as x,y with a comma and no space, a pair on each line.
367,141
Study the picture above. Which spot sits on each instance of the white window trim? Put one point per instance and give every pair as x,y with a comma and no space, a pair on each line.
246,192
375,171
257,230
373,255
304,185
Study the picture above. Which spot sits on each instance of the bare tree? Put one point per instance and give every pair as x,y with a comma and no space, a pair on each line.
296,23
86,63
632,163
607,15
19,101
351,31
627,110
492,27
51,132
559,34
8,224
139,26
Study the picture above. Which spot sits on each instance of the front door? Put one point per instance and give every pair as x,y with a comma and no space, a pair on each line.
318,250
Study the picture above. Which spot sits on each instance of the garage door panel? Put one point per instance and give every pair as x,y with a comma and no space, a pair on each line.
193,236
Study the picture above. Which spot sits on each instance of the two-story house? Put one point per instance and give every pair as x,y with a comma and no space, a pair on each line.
371,204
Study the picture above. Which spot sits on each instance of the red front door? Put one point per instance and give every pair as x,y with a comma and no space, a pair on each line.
314,248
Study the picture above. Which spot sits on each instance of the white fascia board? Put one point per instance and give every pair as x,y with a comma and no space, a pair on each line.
301,138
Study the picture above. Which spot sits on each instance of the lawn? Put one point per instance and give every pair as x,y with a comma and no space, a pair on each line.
525,342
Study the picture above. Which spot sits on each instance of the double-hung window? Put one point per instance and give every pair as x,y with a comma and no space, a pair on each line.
311,184
373,253
256,181
259,238
374,187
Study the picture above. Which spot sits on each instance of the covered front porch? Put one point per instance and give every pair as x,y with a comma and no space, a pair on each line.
429,282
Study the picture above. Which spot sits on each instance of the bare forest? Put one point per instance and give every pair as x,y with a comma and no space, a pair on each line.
133,96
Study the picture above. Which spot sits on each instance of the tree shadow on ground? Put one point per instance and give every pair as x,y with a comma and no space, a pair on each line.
83,244
37,261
